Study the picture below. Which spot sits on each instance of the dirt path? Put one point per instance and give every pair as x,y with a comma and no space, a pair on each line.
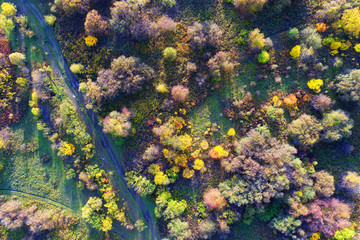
103,147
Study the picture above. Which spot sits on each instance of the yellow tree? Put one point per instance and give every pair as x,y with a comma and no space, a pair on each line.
350,21
8,9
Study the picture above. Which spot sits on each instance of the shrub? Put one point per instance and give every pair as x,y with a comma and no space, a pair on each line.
330,10
305,131
221,65
214,199
74,6
67,148
8,9
117,124
17,58
198,164
311,37
321,102
151,153
249,6
179,93
295,52
324,184
123,14
293,34
91,41
286,225
50,19
77,68
264,57
168,3
321,27
351,183
162,88
144,29
348,85
141,184
179,230
126,75
169,54
95,25
206,228
337,124
345,234
256,40
315,85
166,24
307,53
205,35
357,47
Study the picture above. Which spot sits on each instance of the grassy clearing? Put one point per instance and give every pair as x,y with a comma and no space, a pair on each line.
26,172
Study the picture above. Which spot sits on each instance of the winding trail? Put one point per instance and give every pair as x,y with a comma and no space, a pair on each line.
102,144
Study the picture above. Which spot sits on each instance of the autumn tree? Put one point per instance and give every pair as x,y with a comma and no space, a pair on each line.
350,21
180,93
256,40
117,124
95,24
214,199
247,7
73,6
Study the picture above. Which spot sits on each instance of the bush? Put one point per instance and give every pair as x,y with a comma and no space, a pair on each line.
91,41
141,184
295,52
348,85
247,7
351,183
324,184
166,24
17,58
307,53
286,225
264,57
8,9
206,228
214,199
293,34
95,25
330,10
337,124
256,40
74,6
321,102
50,19
305,131
311,37
169,54
221,65
205,35
77,68
117,124
315,84
179,93
179,230
168,3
